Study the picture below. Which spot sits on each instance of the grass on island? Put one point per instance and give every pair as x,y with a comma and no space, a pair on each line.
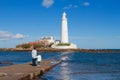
63,44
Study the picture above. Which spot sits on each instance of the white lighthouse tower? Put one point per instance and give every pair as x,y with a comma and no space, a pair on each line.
64,43
64,32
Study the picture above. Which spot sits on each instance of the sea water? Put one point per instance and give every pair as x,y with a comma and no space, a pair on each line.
74,66
85,66
21,57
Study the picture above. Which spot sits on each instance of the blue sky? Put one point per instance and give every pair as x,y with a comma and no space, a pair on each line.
93,24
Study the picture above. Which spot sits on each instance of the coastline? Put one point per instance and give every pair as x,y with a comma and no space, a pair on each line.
101,60
26,71
64,50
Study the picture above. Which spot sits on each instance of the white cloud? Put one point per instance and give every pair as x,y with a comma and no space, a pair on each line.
47,3
19,36
5,35
70,6
86,3
75,6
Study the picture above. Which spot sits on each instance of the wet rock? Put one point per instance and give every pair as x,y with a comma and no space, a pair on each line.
10,63
3,74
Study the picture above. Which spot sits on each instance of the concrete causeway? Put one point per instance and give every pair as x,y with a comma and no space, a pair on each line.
26,71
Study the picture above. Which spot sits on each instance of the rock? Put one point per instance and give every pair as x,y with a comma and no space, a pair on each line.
3,74
10,63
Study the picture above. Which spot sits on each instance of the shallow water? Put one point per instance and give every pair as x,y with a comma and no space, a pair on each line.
86,66
21,57
14,57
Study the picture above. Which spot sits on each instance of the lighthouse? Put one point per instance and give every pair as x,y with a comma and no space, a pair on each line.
64,29
64,42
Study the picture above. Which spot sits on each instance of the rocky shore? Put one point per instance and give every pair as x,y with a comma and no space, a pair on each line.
26,71
65,50
10,63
